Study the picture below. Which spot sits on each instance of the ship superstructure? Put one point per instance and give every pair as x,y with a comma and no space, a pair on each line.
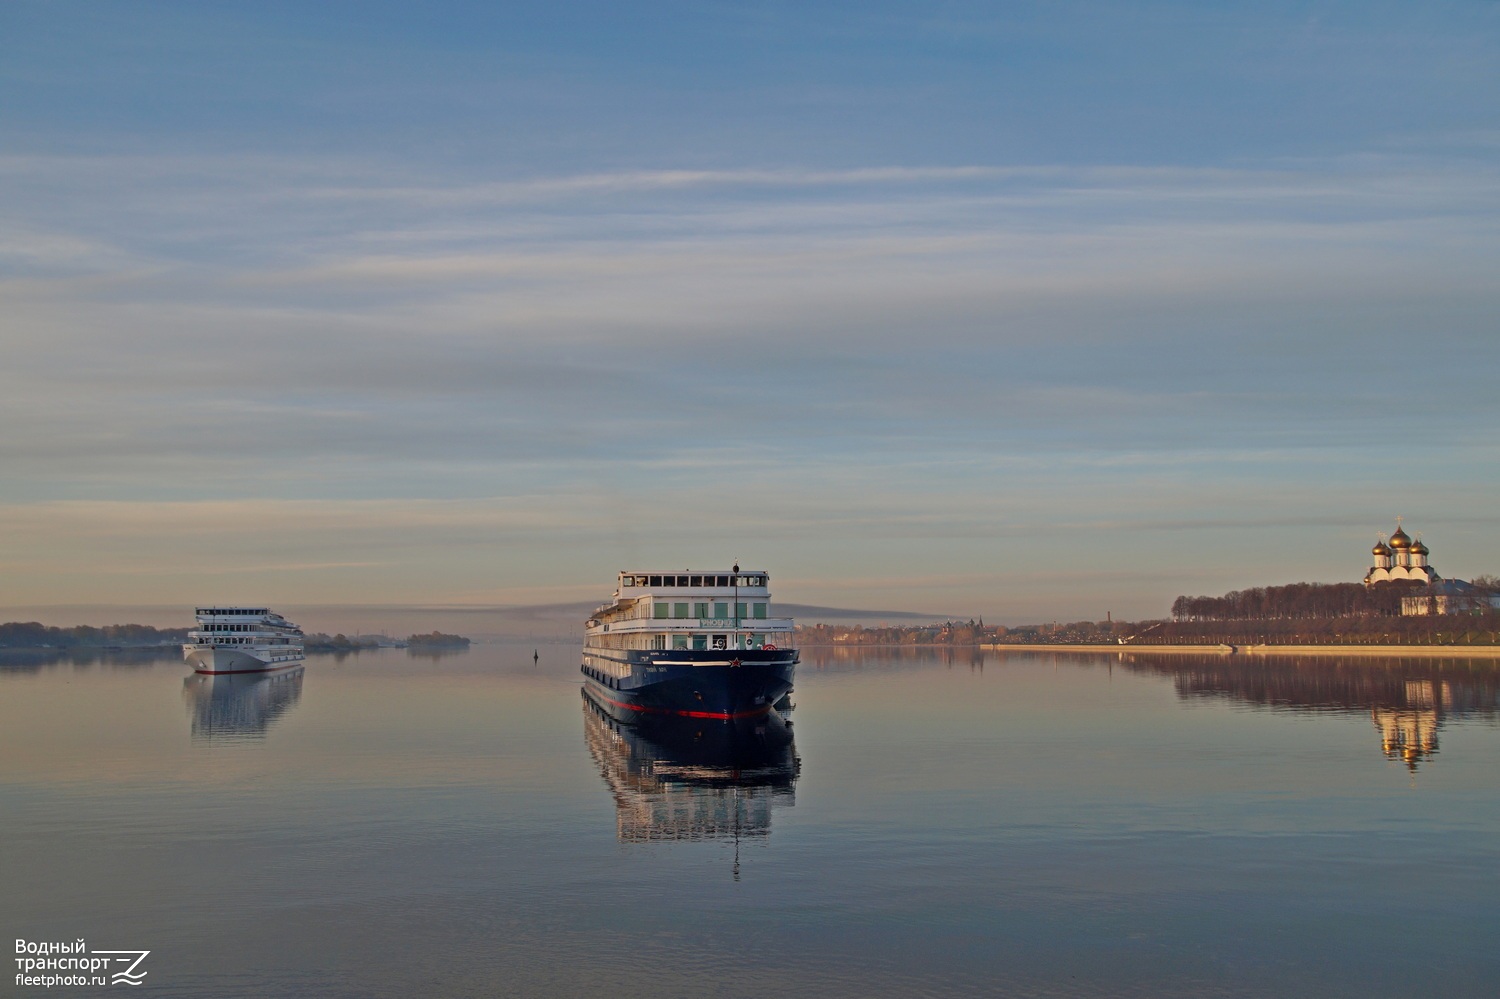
697,643
234,639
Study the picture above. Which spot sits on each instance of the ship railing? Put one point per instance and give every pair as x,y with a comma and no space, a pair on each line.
729,623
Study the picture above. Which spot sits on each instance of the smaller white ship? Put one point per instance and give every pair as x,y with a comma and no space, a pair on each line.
242,640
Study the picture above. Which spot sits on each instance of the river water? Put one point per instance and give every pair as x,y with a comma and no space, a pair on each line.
928,824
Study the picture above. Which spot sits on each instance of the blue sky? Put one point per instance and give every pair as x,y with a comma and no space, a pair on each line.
1030,310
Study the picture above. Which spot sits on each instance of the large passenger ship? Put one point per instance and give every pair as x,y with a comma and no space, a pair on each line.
699,644
242,640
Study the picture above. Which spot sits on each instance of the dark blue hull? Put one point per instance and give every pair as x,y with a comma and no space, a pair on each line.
693,684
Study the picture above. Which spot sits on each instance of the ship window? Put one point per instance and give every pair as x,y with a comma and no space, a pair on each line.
721,609
682,580
679,610
760,610
661,610
658,641
696,581
679,641
700,610
655,580
700,642
627,580
739,610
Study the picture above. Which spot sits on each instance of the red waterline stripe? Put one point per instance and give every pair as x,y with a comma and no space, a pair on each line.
688,714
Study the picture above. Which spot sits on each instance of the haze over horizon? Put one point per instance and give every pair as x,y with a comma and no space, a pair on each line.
1029,313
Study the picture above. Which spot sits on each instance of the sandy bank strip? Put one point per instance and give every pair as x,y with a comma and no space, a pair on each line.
1431,651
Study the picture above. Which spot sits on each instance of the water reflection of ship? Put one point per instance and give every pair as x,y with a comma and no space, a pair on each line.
239,707
686,779
1408,701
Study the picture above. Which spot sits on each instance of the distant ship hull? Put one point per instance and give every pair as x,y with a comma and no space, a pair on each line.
692,684
220,660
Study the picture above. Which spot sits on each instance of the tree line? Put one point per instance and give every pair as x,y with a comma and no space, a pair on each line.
436,639
1295,600
35,635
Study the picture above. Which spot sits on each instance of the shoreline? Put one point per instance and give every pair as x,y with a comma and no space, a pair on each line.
1437,651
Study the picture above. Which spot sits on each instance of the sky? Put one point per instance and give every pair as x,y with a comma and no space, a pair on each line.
1030,311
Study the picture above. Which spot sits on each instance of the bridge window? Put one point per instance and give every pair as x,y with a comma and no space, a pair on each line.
655,580
700,610
679,610
661,610
721,610
760,611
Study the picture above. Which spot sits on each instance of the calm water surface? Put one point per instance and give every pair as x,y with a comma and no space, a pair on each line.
928,825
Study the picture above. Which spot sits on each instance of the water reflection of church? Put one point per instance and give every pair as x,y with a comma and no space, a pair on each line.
1408,701
239,707
684,779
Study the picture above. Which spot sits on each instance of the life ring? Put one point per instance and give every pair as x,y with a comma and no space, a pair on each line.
769,648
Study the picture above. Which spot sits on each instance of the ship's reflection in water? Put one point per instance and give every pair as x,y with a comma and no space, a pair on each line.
1408,700
239,707
685,779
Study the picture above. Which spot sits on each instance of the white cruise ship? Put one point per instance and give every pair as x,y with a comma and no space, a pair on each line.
242,640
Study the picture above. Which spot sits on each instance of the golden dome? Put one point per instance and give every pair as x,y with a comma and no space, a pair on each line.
1381,548
1419,548
1400,539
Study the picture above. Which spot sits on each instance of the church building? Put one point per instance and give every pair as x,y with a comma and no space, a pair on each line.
1403,560
1400,560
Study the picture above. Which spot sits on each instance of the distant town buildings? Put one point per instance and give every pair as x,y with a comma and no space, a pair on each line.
1449,596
